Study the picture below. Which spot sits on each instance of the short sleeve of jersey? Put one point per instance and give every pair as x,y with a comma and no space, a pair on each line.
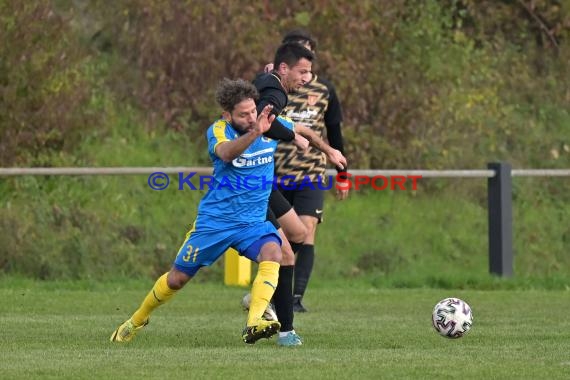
287,122
217,134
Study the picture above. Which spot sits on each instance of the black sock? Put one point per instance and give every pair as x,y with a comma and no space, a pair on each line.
303,268
283,297
296,247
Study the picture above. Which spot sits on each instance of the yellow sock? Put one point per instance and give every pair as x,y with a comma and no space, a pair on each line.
262,290
159,294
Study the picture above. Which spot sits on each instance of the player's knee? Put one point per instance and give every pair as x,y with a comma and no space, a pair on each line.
270,252
288,256
298,234
177,279
310,228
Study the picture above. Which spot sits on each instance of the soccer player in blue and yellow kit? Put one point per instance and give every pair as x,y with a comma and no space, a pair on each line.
231,214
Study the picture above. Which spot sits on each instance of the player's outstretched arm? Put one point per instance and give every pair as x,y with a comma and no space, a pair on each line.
334,155
264,120
300,142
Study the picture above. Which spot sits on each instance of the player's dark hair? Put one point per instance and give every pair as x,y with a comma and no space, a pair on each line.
231,92
300,36
291,53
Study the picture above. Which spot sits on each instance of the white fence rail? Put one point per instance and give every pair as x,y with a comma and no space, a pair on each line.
499,186
10,172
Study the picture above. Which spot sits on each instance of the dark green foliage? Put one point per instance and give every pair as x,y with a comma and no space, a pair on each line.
444,84
43,84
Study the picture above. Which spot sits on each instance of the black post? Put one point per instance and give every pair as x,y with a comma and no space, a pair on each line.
500,219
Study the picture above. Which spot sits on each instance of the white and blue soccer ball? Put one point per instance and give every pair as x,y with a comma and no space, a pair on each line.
452,318
268,315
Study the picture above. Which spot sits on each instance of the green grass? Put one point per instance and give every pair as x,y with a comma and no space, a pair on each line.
439,238
101,227
61,330
80,227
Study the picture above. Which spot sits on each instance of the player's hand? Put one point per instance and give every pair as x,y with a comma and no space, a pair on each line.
268,68
264,120
301,143
343,185
341,194
336,158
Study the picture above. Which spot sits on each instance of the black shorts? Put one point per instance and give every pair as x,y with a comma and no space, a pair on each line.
308,200
278,206
272,219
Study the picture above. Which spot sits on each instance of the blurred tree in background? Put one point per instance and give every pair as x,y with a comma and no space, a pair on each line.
43,86
424,84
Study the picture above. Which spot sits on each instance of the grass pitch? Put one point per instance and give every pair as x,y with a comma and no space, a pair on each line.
61,330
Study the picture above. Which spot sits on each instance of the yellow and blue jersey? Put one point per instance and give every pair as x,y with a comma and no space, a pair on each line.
240,189
233,212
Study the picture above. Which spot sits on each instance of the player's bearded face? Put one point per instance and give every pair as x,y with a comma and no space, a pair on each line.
244,115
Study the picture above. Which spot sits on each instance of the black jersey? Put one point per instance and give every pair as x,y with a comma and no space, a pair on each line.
271,92
315,106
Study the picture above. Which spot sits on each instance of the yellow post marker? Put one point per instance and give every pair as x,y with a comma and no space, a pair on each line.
237,269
